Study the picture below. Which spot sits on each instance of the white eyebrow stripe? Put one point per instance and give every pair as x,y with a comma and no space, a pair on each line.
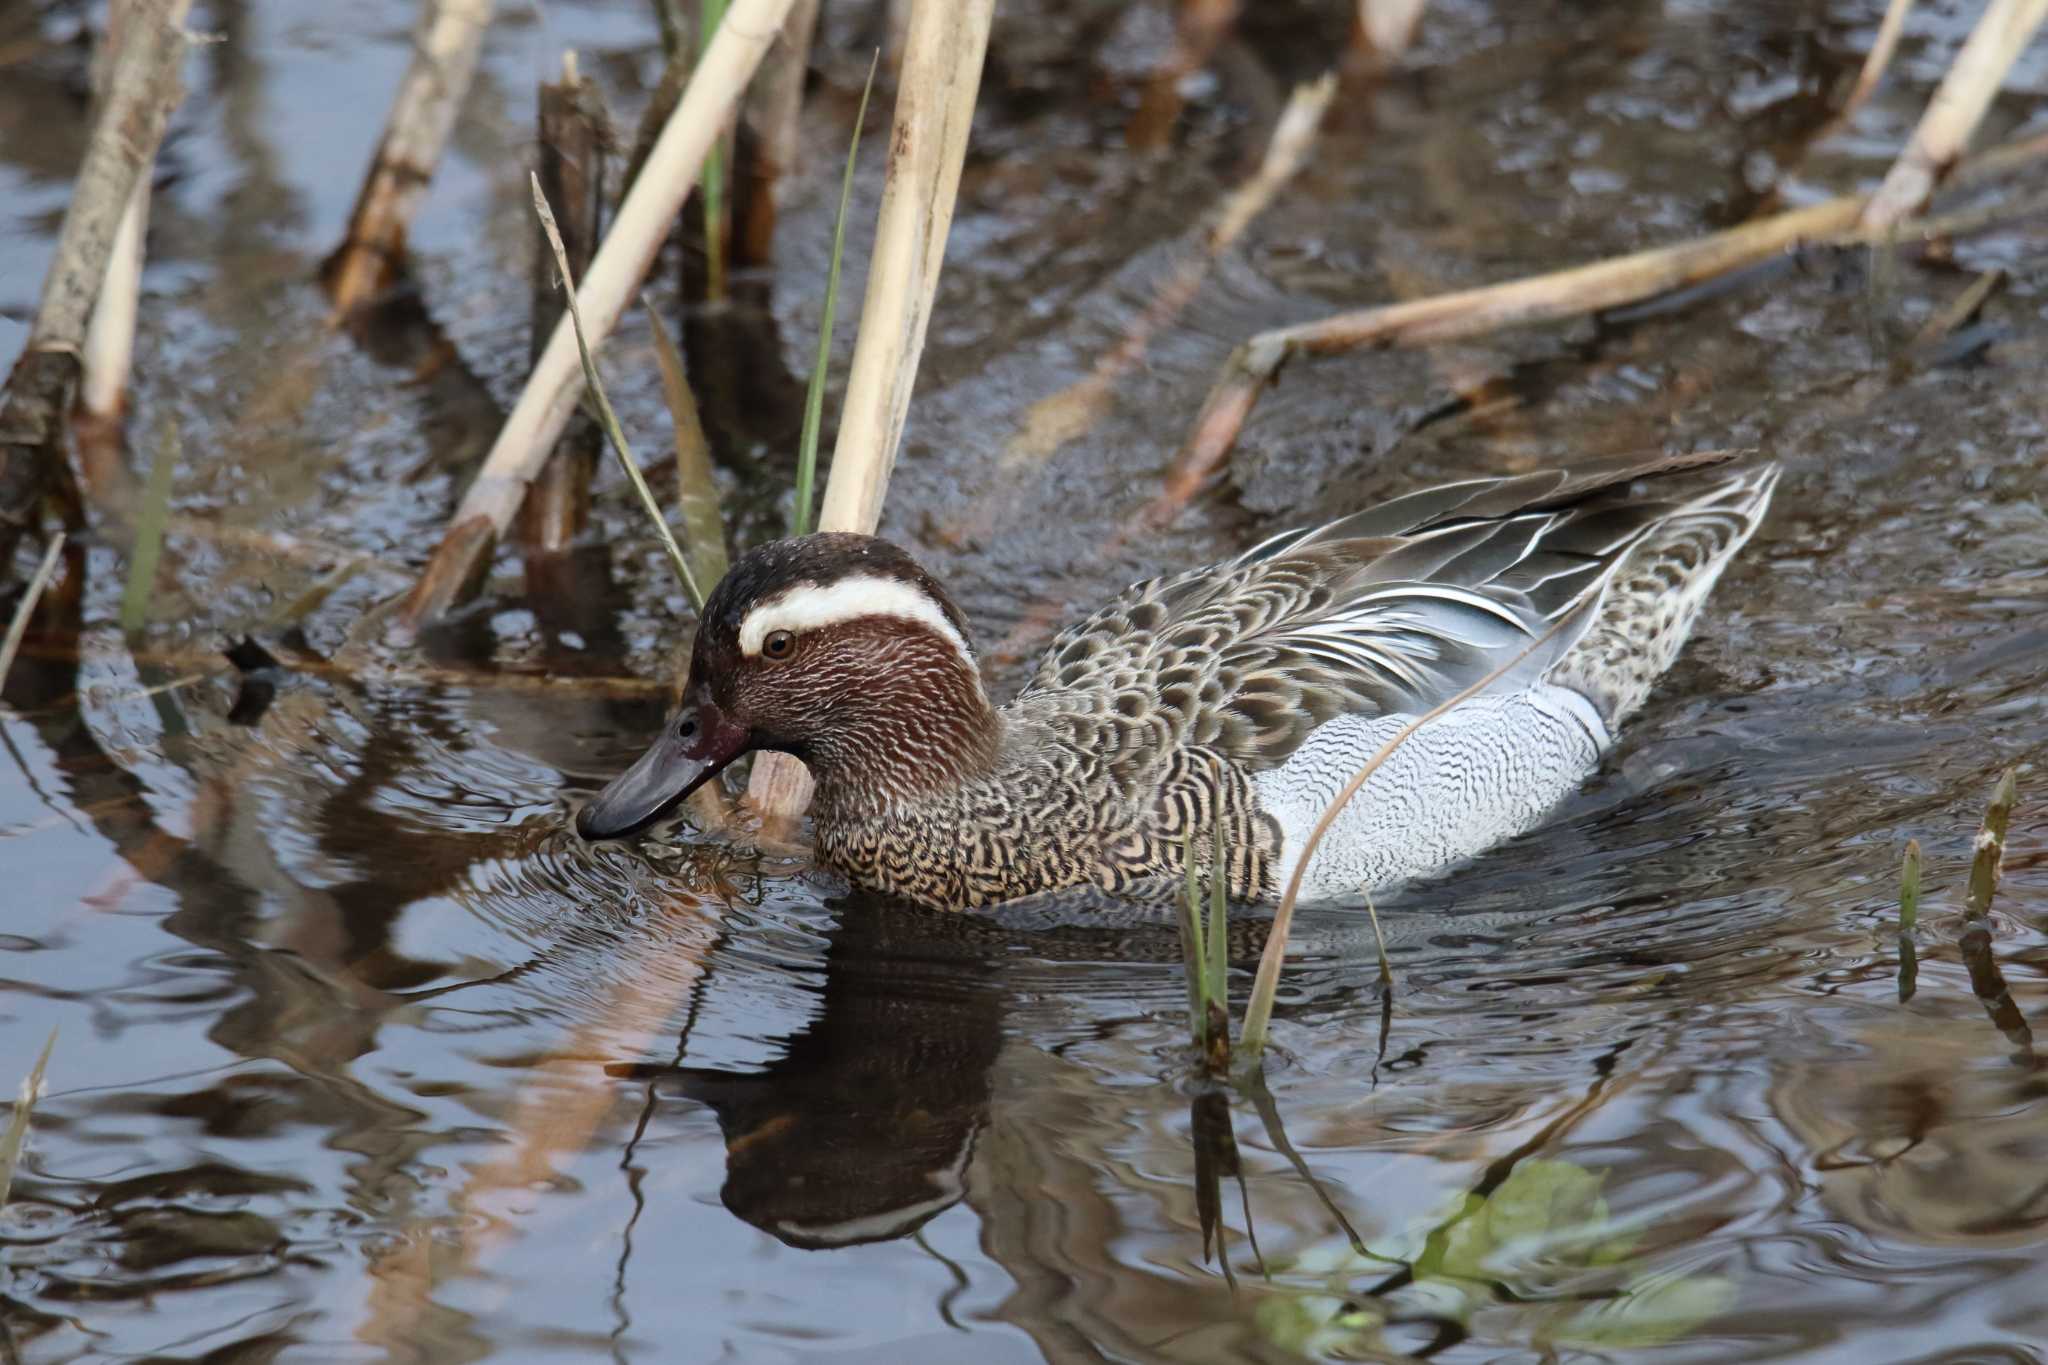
810,606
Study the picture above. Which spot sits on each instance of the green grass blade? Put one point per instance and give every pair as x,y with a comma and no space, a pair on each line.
149,529
1909,888
1218,932
696,485
16,1136
1191,954
26,608
1380,942
1991,848
814,396
606,418
1217,985
713,186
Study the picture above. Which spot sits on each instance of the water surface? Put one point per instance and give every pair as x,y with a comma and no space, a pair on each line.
362,1055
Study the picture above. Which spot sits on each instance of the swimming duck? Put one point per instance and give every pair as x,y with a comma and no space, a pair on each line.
1247,692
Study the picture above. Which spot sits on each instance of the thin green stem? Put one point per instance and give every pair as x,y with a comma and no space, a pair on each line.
713,187
149,529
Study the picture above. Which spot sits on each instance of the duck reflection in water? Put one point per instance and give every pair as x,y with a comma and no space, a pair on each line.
863,1129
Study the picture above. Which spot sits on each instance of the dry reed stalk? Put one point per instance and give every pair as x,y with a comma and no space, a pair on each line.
1383,30
1053,421
1882,49
445,47
1254,365
25,609
1945,129
144,86
770,123
107,358
571,166
935,97
622,262
110,336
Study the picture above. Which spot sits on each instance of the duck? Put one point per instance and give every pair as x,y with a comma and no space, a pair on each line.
1522,618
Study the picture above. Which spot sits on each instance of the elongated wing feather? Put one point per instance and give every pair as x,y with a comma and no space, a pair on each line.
1389,611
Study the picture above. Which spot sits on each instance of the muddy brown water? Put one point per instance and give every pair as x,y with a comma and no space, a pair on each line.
361,1055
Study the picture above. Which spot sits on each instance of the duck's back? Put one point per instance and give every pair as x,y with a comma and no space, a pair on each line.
1262,685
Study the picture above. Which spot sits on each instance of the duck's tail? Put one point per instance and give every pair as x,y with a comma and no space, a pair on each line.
1656,595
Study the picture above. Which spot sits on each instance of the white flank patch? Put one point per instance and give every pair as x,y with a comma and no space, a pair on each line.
811,607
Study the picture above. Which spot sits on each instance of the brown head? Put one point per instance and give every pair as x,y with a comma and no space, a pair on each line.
836,648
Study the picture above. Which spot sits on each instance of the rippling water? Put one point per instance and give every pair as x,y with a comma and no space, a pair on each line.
361,1054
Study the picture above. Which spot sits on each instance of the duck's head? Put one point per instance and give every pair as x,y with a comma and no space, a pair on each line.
836,648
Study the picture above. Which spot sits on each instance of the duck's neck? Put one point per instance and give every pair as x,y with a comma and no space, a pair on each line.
931,730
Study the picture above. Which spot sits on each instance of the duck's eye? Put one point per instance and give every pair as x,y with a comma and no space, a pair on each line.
779,644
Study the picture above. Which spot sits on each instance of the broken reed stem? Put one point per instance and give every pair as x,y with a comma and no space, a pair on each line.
574,135
1990,847
696,484
1551,297
110,335
1952,115
766,151
1383,30
1258,1012
622,262
25,609
935,96
1882,49
814,394
143,87
444,57
16,1136
606,418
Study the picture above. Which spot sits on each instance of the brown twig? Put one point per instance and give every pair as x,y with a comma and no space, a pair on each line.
573,139
765,152
145,86
1550,297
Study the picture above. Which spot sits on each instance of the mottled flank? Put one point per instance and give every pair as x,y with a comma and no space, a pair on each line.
1247,692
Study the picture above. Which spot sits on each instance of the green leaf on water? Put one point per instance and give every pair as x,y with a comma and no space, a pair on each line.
1650,1312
